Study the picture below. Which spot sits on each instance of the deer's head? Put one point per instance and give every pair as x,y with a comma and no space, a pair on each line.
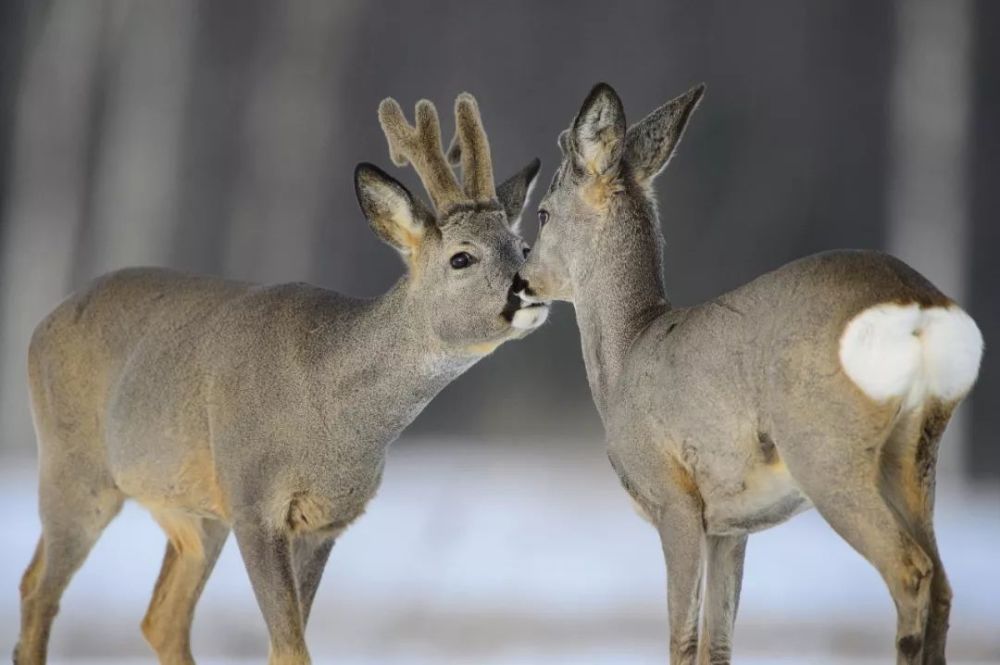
463,253
601,191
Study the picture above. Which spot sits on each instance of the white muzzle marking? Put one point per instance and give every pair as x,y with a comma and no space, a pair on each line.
529,318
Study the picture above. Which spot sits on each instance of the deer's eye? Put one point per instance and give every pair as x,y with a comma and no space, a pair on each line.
461,260
543,217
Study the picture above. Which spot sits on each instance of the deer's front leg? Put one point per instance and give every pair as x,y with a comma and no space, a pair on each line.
311,552
724,573
267,553
680,526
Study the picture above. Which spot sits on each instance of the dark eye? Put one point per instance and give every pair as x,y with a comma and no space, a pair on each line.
543,216
461,260
526,250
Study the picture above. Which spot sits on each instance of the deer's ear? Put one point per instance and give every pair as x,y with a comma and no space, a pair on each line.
563,142
513,192
395,216
650,143
597,137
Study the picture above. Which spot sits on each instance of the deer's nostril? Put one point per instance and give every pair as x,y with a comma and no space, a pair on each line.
513,301
519,284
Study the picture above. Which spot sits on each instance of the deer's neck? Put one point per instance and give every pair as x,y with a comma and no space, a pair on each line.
618,295
381,369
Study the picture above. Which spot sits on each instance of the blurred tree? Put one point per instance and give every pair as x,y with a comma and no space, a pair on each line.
983,451
221,137
59,103
927,203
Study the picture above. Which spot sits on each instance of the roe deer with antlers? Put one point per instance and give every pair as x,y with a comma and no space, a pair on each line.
825,383
267,410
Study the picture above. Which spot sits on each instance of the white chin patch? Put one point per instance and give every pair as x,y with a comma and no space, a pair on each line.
530,318
523,295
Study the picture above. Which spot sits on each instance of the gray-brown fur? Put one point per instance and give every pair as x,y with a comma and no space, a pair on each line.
733,415
266,410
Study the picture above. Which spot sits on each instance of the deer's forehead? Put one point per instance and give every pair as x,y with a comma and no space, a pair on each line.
485,226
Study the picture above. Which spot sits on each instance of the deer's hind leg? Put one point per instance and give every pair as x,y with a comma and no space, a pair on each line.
193,547
840,473
77,500
908,479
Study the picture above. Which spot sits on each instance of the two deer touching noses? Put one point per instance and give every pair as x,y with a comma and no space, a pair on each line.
267,410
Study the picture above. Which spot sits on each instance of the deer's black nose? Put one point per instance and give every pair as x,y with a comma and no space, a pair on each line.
519,284
514,301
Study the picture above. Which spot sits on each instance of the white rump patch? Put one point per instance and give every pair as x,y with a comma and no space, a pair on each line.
892,350
953,347
880,351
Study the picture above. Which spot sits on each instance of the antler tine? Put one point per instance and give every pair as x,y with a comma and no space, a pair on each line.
471,146
421,147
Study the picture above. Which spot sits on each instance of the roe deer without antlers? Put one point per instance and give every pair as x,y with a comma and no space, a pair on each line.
267,410
825,383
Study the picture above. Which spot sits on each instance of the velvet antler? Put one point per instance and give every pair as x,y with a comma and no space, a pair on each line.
421,147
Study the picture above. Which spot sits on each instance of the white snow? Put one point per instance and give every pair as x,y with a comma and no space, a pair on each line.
500,553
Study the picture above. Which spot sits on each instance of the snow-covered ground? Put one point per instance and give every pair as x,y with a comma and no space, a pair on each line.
493,553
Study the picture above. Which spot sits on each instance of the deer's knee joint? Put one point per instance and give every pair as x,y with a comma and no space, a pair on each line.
910,645
942,606
31,578
917,571
162,635
290,656
720,654
29,583
684,650
943,596
150,631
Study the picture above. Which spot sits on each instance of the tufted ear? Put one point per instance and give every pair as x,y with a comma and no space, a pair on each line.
514,192
651,142
396,217
597,137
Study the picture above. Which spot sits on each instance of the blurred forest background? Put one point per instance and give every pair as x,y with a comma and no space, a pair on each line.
221,136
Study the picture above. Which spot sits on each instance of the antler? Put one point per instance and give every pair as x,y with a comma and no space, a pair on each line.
420,146
471,146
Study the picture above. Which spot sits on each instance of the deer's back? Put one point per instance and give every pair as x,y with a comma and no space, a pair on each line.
749,347
89,340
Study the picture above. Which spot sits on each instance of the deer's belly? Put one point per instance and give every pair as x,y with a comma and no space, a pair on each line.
765,497
185,481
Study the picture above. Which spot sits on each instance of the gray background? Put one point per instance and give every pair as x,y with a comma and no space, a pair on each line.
220,136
